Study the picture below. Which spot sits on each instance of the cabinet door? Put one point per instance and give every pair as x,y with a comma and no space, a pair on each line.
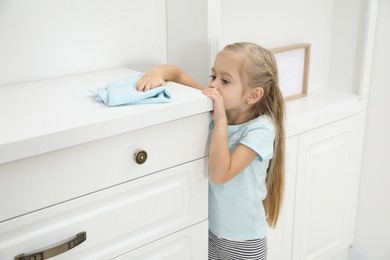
117,219
280,238
326,189
189,243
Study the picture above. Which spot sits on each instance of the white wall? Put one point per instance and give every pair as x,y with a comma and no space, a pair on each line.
44,38
187,37
372,237
331,27
280,23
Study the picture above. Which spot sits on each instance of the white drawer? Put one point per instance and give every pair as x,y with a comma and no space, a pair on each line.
116,220
40,181
190,243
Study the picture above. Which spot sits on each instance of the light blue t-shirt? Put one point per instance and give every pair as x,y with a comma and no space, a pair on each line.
236,209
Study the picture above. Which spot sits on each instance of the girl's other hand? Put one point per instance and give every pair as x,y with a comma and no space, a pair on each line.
149,81
218,104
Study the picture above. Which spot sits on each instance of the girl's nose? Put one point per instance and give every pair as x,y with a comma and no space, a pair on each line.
213,85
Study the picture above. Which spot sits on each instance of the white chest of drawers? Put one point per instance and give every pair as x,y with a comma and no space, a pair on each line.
68,167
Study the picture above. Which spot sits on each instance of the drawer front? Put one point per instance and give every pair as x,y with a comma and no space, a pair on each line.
116,220
190,243
40,181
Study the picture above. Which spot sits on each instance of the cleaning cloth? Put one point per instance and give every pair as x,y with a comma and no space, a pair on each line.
124,91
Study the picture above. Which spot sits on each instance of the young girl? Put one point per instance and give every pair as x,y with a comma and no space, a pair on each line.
247,147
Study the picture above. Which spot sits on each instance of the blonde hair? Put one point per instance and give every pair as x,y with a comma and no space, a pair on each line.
258,69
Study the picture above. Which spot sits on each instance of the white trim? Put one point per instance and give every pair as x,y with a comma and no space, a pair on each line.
166,31
368,48
364,92
214,14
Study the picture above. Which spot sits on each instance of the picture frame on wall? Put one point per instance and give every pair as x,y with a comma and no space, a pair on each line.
293,63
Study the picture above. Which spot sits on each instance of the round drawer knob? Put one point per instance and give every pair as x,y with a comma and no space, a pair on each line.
140,157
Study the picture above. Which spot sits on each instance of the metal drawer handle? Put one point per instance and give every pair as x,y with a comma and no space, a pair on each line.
51,252
140,156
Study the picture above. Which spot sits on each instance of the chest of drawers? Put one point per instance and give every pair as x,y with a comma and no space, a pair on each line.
79,180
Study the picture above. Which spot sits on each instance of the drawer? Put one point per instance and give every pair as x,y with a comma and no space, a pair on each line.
190,243
116,220
43,180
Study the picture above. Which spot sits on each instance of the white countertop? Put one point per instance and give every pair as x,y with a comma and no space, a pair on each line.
321,107
43,116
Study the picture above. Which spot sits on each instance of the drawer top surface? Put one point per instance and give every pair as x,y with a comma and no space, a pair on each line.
43,116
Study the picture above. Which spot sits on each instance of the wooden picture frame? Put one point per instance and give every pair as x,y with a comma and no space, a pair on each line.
293,69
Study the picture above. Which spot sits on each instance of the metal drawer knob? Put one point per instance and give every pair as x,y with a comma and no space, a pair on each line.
140,156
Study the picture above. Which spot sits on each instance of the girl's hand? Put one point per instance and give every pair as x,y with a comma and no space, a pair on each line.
218,113
150,80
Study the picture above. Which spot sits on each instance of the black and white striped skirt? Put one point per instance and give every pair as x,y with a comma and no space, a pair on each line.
224,249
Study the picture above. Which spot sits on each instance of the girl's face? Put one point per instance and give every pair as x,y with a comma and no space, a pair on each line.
226,79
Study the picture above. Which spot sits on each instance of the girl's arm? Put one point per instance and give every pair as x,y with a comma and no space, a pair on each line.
224,165
158,75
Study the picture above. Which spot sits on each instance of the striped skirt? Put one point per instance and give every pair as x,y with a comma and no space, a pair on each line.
224,249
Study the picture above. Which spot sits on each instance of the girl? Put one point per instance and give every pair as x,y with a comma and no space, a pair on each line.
247,147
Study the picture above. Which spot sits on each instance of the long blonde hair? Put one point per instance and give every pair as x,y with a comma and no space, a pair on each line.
259,69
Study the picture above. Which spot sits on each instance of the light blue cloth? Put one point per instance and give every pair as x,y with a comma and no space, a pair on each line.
124,91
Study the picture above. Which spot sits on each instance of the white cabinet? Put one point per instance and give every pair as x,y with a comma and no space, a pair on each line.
322,179
93,200
116,220
326,189
186,244
280,239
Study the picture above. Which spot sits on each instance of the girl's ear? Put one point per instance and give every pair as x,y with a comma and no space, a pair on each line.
255,95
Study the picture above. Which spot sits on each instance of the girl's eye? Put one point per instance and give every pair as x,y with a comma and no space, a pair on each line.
224,81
